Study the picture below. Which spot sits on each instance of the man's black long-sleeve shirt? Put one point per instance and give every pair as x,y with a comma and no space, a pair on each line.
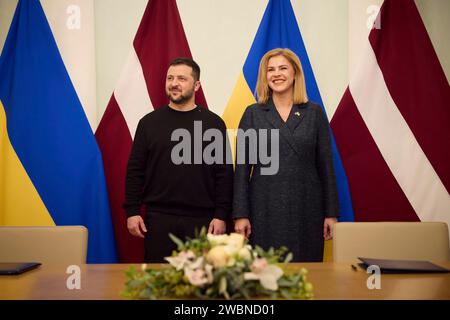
155,180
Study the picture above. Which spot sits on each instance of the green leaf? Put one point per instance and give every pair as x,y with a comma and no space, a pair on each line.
145,294
177,241
285,294
288,257
285,282
223,287
203,232
134,284
245,293
131,272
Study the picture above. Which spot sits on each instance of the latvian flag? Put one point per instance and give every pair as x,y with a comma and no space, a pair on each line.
392,126
159,39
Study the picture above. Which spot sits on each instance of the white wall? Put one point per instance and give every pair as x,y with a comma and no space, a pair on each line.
220,34
436,17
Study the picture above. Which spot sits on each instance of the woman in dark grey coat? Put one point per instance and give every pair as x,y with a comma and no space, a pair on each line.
296,205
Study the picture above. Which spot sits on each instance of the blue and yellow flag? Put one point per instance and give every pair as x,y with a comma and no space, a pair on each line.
279,29
51,171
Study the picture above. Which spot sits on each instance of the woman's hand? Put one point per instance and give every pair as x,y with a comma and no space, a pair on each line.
328,228
242,226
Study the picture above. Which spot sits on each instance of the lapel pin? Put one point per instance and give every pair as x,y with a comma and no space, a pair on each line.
297,114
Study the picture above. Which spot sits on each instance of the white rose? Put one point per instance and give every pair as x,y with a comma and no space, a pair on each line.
217,256
244,253
236,240
217,239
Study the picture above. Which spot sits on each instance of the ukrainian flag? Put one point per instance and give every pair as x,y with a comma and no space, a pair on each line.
51,171
279,29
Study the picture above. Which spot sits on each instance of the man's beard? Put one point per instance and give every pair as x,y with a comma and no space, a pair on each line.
182,98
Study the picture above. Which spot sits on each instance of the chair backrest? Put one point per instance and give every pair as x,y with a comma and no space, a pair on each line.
48,245
391,240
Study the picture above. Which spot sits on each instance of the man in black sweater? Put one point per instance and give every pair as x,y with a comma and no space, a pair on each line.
172,171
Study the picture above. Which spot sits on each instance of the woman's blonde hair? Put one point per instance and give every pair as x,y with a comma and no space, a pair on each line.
262,86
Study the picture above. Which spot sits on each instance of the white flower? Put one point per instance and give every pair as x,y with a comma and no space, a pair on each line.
230,250
236,240
234,243
244,253
231,261
225,248
144,267
196,277
181,260
196,264
258,265
217,256
267,274
216,240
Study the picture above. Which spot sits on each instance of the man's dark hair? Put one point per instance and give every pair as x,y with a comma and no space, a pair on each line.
190,63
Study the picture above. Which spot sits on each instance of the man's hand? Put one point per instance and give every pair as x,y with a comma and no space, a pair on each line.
217,226
135,224
328,228
242,226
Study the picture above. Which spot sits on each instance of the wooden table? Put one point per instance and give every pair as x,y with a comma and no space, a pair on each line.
330,281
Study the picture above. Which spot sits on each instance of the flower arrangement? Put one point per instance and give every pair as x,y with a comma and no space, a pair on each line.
220,266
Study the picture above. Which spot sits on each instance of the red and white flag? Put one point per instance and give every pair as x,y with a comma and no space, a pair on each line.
392,126
141,88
